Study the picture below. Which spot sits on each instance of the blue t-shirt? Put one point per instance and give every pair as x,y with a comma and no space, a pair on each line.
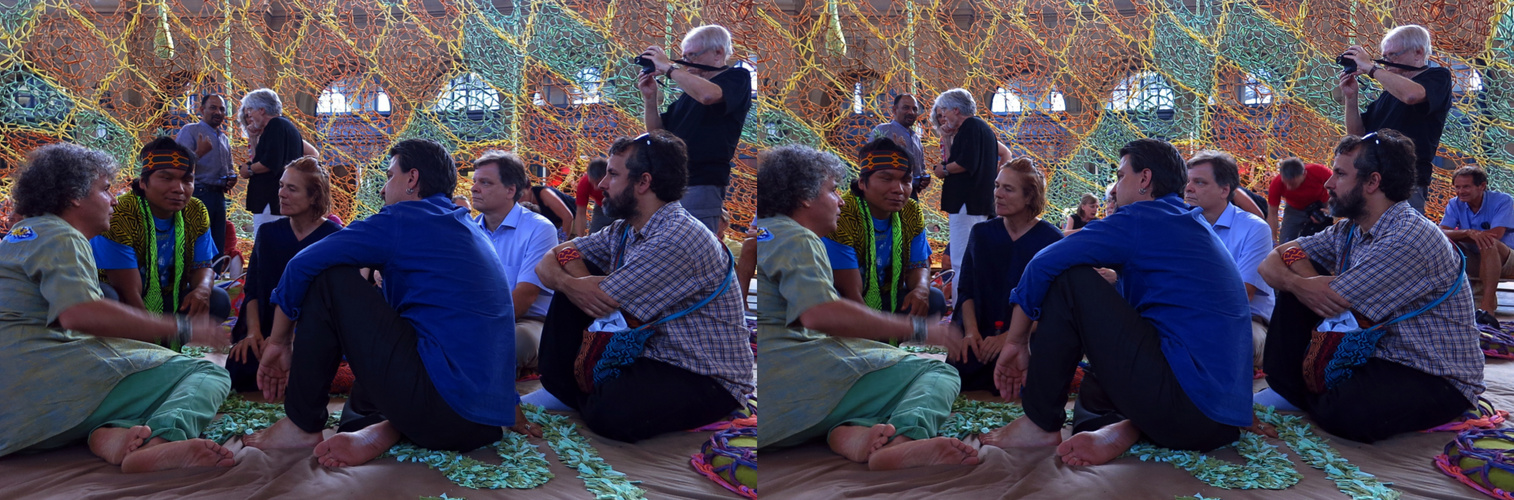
1178,275
1497,211
439,269
845,257
112,255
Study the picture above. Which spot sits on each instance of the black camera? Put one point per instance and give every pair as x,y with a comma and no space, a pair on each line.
647,66
1348,65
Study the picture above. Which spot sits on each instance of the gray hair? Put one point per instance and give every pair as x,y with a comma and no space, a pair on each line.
958,99
56,175
264,99
709,37
1410,37
792,174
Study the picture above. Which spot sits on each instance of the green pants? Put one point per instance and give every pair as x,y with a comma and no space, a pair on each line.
176,400
914,395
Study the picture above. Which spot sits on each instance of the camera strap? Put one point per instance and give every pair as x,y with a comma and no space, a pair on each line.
1405,67
701,66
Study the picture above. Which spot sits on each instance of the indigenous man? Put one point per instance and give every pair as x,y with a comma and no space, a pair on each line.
1480,223
1212,176
430,365
1383,268
78,369
157,253
878,251
825,373
656,267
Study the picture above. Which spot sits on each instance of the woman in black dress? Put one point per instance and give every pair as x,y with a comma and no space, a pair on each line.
1088,209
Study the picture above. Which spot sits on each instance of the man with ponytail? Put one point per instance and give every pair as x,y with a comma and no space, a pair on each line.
157,254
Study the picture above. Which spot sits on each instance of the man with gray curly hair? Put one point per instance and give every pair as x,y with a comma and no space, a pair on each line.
279,142
136,404
824,365
968,171
708,116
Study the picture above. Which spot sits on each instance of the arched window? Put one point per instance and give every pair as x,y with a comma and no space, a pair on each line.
857,98
1143,91
353,95
752,68
467,92
1254,91
588,81
1004,102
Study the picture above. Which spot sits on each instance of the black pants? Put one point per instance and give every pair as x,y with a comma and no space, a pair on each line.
214,198
1381,399
1129,376
649,397
344,315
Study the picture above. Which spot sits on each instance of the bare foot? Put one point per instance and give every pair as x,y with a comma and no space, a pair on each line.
114,443
1100,446
283,434
357,448
856,442
905,453
1022,433
163,455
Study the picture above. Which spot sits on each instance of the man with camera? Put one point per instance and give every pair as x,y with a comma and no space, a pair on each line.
213,174
1415,100
708,116
1303,188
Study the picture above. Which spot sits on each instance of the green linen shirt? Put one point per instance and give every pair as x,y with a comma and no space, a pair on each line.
51,378
803,373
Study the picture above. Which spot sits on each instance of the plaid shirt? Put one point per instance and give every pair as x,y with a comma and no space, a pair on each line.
1402,264
669,265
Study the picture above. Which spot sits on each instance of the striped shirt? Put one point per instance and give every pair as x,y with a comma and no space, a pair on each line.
669,265
1402,264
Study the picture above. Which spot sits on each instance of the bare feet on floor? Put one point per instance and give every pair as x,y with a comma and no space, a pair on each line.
114,443
357,448
905,453
856,442
283,434
1100,446
1022,433
159,454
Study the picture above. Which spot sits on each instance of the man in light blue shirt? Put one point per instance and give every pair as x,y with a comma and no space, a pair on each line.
1212,177
1479,222
521,237
213,173
901,130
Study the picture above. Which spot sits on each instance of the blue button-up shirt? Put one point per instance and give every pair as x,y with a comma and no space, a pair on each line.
438,268
1178,276
520,241
1249,240
213,165
1497,210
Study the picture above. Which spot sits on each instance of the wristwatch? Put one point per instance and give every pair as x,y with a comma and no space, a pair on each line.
1373,71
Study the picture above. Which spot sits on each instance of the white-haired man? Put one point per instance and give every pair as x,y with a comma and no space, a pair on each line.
1414,101
968,171
279,143
708,116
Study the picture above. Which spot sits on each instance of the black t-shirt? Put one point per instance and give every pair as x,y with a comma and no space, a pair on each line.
712,132
279,144
1421,122
976,149
1077,221
547,212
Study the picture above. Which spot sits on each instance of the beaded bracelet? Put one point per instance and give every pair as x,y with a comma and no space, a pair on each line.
568,254
1293,255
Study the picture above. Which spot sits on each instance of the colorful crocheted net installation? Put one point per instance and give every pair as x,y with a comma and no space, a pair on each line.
1476,458
730,459
1064,82
1482,416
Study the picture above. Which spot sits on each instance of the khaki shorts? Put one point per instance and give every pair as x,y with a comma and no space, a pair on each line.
1473,253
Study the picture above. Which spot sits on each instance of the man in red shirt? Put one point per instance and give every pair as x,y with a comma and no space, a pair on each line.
1301,186
588,189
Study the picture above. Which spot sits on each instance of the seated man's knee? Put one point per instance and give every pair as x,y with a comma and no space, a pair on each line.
937,302
220,303
1344,422
1079,276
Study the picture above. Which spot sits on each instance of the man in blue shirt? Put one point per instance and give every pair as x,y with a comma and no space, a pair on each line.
213,173
876,214
1212,176
520,237
901,130
1168,350
1479,221
435,368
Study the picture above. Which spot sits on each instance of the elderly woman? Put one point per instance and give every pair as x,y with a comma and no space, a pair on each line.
824,368
1169,350
76,368
968,168
997,253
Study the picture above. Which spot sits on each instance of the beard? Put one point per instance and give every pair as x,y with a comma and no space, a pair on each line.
1350,206
622,205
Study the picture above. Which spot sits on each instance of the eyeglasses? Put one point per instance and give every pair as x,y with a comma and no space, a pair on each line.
1394,54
